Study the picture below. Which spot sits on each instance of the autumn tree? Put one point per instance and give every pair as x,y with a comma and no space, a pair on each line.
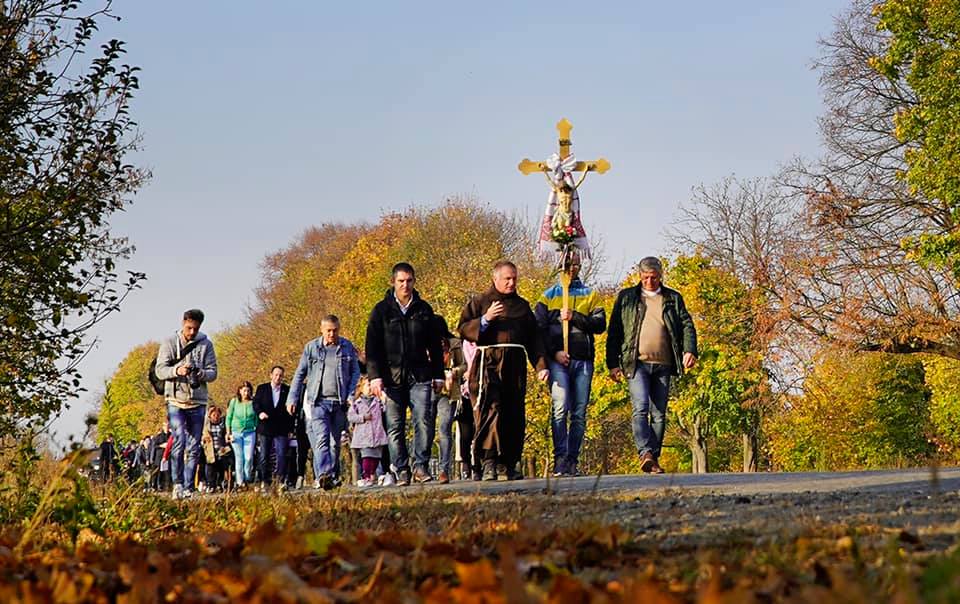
129,407
920,52
64,133
859,270
714,398
857,410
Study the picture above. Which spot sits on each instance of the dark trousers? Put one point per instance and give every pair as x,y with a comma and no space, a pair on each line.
277,446
216,471
468,430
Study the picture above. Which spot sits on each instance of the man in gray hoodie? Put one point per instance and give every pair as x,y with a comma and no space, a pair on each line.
186,362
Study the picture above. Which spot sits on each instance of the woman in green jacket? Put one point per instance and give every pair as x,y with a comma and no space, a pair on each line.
242,432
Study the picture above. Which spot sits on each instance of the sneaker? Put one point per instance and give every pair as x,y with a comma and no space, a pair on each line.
443,478
299,483
281,488
177,491
559,468
403,478
420,475
317,484
489,470
387,480
573,470
187,494
501,471
366,483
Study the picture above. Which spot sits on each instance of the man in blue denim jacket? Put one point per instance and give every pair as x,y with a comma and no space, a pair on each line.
325,378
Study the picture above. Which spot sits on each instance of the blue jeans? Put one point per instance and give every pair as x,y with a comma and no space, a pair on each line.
649,390
187,427
419,398
570,392
445,408
319,423
243,455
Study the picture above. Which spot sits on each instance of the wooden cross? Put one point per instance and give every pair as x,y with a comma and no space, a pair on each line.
599,166
564,127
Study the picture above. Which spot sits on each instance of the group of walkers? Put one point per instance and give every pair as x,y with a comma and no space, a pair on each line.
411,360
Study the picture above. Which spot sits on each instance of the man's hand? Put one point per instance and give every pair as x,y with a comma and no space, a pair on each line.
291,408
616,374
183,370
566,314
376,388
495,311
263,415
229,437
689,360
543,374
562,357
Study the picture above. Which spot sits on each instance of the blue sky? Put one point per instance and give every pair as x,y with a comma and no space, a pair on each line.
260,119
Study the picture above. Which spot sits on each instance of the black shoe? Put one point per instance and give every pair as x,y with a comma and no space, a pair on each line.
403,478
514,474
489,470
501,471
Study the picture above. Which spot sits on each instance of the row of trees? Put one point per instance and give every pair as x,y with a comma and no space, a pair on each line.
810,287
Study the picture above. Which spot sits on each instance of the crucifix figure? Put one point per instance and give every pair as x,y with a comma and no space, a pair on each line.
561,231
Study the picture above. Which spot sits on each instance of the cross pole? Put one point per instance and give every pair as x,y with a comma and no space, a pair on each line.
599,166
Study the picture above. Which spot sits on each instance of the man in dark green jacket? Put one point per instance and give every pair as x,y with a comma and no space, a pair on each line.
650,339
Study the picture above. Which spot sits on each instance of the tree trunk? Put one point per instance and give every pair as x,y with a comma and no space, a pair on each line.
750,446
698,448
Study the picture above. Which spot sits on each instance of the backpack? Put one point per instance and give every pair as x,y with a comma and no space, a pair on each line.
156,382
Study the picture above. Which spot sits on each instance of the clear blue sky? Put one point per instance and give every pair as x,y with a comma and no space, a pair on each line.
260,119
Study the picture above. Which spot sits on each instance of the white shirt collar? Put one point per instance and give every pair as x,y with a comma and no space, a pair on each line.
652,294
403,307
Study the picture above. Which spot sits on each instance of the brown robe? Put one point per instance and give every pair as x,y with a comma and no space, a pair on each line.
501,414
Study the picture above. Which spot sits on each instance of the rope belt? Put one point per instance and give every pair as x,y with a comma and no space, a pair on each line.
481,350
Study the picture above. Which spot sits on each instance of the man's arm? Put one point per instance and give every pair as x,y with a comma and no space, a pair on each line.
469,326
689,329
165,361
595,321
435,347
209,362
298,382
615,334
354,372
259,404
373,347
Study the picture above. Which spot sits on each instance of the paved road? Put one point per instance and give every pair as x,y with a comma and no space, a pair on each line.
887,481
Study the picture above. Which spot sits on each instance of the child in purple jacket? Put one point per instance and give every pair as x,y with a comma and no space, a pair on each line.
366,417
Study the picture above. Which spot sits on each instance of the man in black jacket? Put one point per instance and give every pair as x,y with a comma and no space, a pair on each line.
274,427
571,370
405,365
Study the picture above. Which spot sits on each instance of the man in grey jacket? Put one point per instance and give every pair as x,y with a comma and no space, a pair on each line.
326,377
186,362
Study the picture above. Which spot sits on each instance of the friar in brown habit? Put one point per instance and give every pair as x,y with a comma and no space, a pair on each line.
502,325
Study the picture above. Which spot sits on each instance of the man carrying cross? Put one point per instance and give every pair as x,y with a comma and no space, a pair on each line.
570,361
502,325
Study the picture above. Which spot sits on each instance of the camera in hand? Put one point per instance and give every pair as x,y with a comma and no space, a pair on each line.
194,376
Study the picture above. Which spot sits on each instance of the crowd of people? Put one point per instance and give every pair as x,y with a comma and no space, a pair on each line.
466,390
